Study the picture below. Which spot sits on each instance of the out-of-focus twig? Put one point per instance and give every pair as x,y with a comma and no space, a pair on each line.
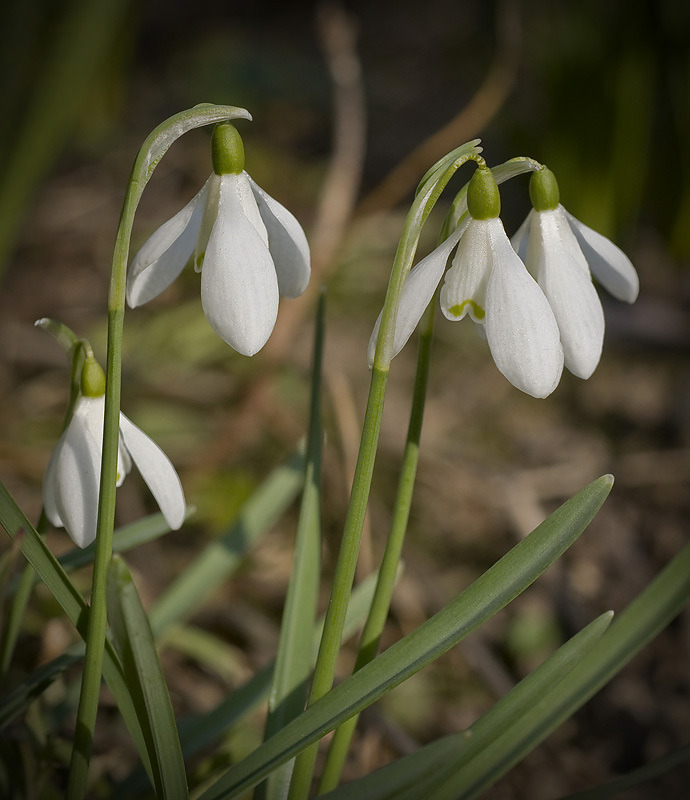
338,37
470,121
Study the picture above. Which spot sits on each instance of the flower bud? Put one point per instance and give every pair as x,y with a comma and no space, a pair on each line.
543,190
483,198
227,150
92,378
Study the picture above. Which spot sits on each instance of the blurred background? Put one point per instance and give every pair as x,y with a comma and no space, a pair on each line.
352,102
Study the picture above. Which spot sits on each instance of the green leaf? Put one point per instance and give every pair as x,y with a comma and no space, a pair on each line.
198,732
16,701
220,558
144,530
414,777
487,595
641,621
288,694
134,642
51,573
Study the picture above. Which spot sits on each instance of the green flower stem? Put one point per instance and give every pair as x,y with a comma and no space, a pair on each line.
151,152
378,613
427,194
344,572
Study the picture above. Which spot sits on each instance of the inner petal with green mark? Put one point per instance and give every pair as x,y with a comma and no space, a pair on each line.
459,309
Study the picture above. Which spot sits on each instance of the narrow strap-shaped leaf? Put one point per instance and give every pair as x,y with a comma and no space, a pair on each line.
500,584
639,623
288,694
403,776
200,731
134,642
222,556
16,701
414,776
125,538
51,573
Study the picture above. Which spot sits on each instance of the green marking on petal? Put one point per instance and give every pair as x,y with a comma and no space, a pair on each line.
459,309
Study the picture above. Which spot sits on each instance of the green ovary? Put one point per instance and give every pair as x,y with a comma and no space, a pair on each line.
458,309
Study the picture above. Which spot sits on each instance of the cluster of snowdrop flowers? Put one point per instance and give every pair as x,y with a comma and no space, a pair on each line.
71,484
533,297
248,247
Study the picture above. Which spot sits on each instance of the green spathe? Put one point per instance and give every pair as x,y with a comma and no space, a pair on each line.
483,198
227,150
543,190
92,378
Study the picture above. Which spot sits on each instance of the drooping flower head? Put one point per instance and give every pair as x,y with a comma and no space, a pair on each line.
559,252
71,484
488,281
536,319
248,247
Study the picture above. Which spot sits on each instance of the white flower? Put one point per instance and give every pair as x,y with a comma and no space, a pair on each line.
71,482
249,249
488,281
560,251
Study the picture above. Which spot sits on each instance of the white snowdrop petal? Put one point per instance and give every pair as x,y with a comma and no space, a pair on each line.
417,293
50,478
78,470
611,267
464,287
287,243
161,259
520,326
568,287
244,186
157,470
239,287
520,237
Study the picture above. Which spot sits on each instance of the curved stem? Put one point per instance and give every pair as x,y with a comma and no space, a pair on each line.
150,153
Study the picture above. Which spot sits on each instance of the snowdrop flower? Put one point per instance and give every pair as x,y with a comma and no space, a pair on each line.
488,281
560,251
248,247
71,482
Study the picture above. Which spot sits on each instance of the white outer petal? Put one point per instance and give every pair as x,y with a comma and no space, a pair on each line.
611,267
164,255
72,480
466,280
239,286
417,293
555,254
520,326
287,243
157,470
520,237
50,488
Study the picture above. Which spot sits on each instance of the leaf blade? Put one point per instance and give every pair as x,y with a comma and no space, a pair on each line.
488,594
